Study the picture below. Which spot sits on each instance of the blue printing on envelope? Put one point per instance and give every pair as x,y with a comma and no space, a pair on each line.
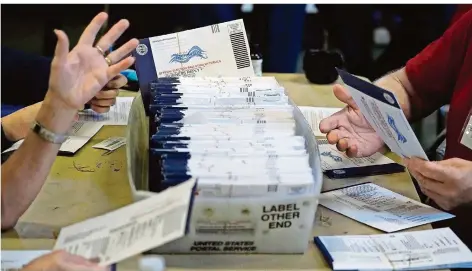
392,124
334,157
195,51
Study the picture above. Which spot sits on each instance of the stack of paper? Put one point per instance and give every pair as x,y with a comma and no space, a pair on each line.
380,208
229,132
421,250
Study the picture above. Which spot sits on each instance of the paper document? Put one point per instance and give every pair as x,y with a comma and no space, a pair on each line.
314,115
382,110
14,260
111,143
81,132
380,208
215,50
133,229
336,164
118,114
419,250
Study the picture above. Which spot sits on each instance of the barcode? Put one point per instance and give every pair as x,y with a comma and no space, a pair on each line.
272,188
239,50
215,28
173,220
99,246
116,141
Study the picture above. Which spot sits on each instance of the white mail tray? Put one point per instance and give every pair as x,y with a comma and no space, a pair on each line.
260,223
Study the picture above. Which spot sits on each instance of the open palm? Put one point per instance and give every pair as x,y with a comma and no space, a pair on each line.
78,75
349,129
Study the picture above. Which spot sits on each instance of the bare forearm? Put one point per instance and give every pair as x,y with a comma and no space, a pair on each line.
23,176
397,82
25,172
16,126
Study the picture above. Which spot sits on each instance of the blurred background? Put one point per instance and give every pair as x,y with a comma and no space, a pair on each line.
373,39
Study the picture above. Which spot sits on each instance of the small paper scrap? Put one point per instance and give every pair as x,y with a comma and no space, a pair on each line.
111,143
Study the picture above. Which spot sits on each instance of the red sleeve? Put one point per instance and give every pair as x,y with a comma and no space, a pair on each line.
433,72
461,10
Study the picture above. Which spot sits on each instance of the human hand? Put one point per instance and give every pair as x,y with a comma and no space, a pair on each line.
349,129
106,98
78,75
448,182
62,261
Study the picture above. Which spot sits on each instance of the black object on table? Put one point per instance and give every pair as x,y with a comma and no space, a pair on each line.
320,65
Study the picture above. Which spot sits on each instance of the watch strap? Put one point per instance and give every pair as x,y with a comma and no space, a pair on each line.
48,135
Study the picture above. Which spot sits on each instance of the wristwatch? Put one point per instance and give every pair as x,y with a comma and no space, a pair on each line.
48,135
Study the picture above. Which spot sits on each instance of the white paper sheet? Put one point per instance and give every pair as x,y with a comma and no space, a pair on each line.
314,115
81,132
118,114
131,230
111,144
13,260
380,208
419,250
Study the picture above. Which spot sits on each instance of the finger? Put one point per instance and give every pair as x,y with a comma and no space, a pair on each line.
344,96
342,145
352,151
429,169
90,33
117,82
107,94
123,51
103,102
113,70
430,184
62,47
113,34
335,135
331,122
100,109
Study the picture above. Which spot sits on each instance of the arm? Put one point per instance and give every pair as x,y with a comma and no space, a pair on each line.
16,126
25,172
428,80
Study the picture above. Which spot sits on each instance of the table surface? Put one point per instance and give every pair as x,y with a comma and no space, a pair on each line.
89,184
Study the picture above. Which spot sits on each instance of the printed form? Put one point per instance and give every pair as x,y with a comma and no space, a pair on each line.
420,250
380,208
118,114
133,229
314,115
81,132
332,158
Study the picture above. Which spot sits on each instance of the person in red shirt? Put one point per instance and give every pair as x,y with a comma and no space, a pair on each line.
440,74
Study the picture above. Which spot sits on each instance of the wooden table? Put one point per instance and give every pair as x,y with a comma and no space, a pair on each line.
90,184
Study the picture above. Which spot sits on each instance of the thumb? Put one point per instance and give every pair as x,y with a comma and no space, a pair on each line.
344,96
62,46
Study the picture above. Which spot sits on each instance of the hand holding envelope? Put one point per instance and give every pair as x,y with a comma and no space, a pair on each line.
448,182
349,129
